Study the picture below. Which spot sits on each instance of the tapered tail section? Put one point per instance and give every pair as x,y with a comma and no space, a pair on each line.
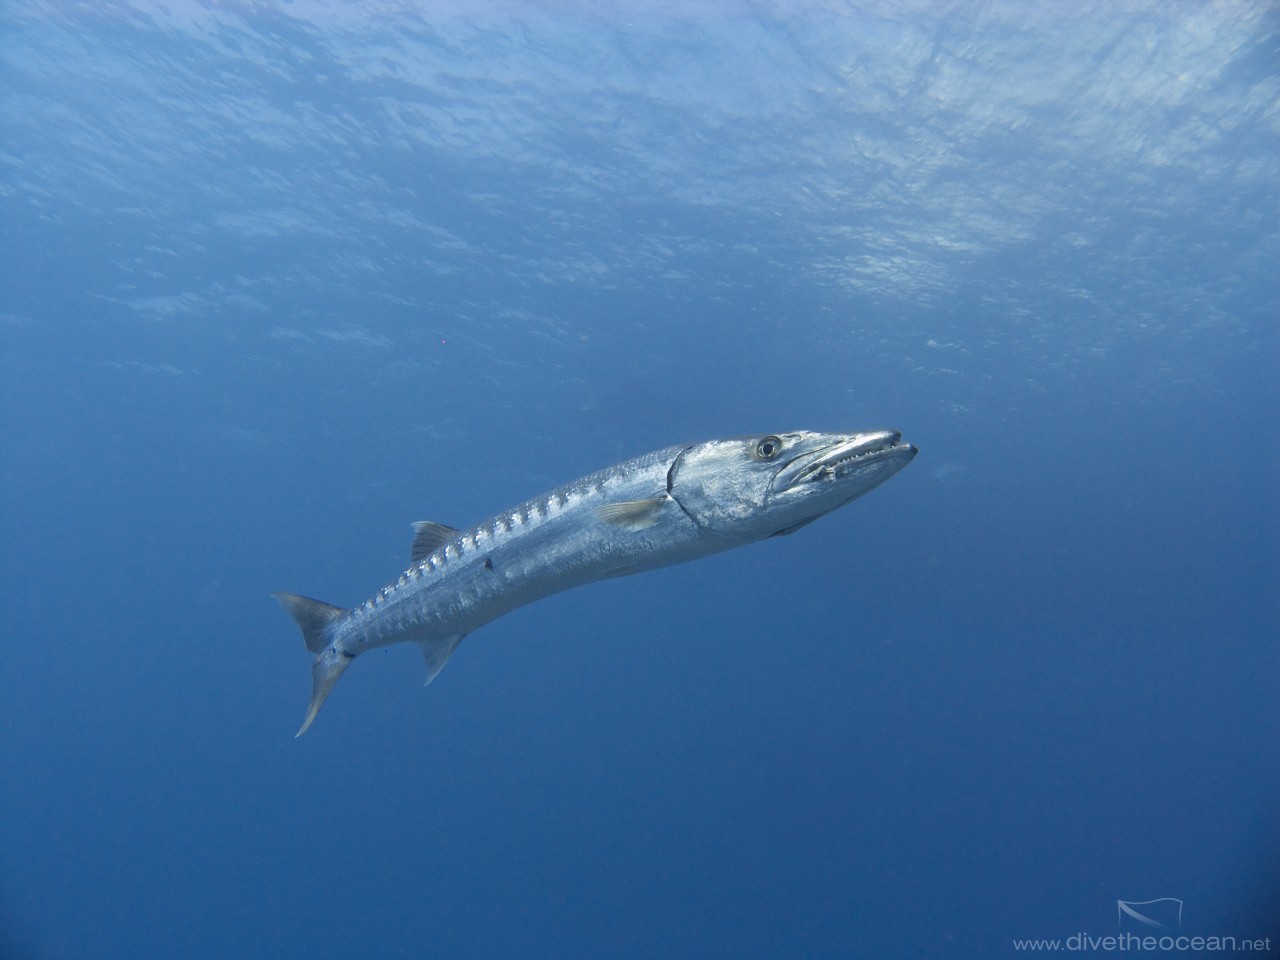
315,619
324,674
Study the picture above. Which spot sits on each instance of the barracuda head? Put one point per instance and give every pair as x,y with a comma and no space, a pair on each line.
749,488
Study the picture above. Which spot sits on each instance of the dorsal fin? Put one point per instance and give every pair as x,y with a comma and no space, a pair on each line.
427,536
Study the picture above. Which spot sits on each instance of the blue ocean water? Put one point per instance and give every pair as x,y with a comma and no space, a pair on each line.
280,278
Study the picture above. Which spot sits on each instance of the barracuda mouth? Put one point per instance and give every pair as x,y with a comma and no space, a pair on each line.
845,458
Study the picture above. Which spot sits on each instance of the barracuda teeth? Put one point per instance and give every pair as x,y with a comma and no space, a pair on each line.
827,471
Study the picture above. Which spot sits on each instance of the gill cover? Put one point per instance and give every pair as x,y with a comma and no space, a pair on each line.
748,488
725,485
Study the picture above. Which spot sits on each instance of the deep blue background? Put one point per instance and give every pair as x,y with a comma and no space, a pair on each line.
279,280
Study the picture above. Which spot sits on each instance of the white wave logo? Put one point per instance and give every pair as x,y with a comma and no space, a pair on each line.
1162,914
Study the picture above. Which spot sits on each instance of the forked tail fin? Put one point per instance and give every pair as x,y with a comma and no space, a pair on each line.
315,619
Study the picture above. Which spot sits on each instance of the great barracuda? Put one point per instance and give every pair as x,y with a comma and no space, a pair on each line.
669,506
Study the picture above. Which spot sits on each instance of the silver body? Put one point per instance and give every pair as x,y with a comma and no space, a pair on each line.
542,546
669,506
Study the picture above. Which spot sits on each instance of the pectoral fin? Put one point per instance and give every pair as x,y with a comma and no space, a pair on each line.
787,531
632,514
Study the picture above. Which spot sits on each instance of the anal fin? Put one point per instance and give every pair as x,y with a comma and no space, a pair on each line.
437,653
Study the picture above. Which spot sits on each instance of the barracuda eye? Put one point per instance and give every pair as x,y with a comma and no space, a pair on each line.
768,448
